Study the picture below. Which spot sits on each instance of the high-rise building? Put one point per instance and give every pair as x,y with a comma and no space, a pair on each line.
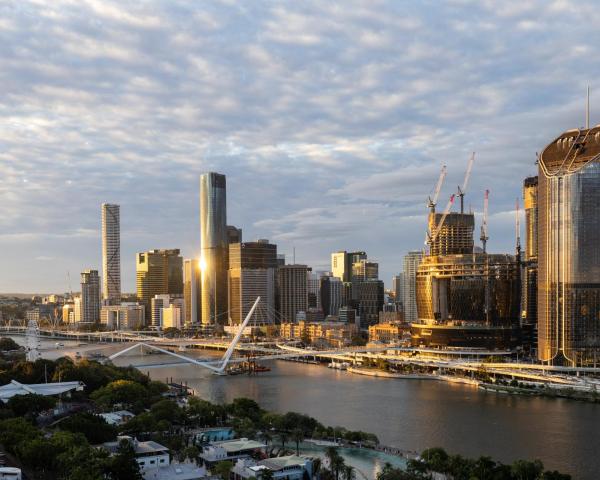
342,261
409,295
569,249
214,248
529,265
158,302
365,270
158,272
126,316
191,292
293,291
369,294
331,290
314,290
398,288
252,273
90,297
234,234
111,253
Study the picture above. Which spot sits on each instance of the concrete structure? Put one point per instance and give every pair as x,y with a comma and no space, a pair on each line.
216,434
90,297
158,303
293,291
568,197
192,293
177,471
398,288
389,332
172,316
280,468
10,473
348,315
252,273
313,288
111,253
342,261
126,316
409,296
214,248
229,450
158,272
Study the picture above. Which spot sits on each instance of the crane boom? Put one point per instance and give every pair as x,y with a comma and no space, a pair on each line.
484,226
438,187
439,226
462,190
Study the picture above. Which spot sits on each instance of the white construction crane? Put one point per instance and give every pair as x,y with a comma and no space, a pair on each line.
439,226
432,202
484,229
462,190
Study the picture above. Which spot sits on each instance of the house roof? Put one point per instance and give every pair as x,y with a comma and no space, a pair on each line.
239,444
55,388
278,463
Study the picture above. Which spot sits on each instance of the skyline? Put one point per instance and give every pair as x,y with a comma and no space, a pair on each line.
347,115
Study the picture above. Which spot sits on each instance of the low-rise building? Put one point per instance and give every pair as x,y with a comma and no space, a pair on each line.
230,450
149,455
290,467
336,334
176,471
210,435
126,316
117,418
10,473
388,332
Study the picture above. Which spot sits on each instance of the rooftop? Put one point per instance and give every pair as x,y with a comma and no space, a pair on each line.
176,471
279,463
141,448
15,388
238,444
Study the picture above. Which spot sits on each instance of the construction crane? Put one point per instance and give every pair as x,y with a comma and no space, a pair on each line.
439,226
484,230
462,190
432,202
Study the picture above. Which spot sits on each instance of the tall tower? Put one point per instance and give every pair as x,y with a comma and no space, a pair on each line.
409,297
293,291
191,292
214,248
111,253
158,272
530,203
569,249
90,297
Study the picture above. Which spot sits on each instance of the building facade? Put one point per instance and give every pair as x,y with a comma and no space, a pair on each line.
158,272
111,253
330,292
214,248
409,295
126,316
530,265
90,297
569,249
293,291
192,293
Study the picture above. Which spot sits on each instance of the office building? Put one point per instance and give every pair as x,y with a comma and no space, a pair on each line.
409,296
293,291
158,272
398,288
365,270
214,248
347,315
158,302
191,292
252,273
342,261
334,334
529,268
234,234
568,291
111,253
370,300
172,316
331,294
314,290
90,297
126,316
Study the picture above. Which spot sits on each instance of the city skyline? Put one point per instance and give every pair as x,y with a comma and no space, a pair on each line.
340,113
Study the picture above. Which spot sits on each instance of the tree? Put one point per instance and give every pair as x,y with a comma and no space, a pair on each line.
297,437
223,469
8,344
93,427
123,465
30,405
525,470
124,392
283,437
348,472
336,461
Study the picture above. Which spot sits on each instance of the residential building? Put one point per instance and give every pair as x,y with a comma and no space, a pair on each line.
229,450
126,316
289,467
90,297
158,272
149,455
335,334
172,316
409,296
529,271
393,332
192,293
568,293
252,273
293,293
158,303
111,253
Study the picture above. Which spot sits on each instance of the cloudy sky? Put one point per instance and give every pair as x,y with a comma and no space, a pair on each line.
330,119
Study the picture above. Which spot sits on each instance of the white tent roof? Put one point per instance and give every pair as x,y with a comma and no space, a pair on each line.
15,388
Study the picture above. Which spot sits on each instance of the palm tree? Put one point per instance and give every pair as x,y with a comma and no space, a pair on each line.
336,462
348,472
297,436
266,436
283,437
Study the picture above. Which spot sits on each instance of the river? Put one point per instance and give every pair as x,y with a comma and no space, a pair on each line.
414,414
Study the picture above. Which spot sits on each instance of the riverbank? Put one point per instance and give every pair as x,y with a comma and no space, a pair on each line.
543,391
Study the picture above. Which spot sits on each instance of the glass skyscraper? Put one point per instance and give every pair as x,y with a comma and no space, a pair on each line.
214,248
111,253
569,249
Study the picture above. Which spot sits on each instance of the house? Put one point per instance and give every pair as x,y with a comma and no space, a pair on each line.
231,450
10,473
176,471
148,454
291,467
117,418
47,389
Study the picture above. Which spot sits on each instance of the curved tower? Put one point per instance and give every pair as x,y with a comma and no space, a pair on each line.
214,248
569,249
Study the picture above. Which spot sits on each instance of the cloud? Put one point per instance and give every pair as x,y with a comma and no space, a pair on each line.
330,120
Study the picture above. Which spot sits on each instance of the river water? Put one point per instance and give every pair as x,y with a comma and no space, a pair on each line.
413,414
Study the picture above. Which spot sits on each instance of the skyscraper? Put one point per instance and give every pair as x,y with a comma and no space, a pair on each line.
331,294
365,270
214,248
252,273
293,291
569,249
409,297
398,288
342,262
529,263
90,297
158,272
191,292
111,253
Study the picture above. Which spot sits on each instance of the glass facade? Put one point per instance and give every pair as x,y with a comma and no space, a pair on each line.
569,250
214,248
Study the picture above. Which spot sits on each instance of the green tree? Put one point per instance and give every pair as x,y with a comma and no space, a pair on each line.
336,461
8,344
123,465
525,470
125,392
297,437
348,472
30,405
223,469
93,427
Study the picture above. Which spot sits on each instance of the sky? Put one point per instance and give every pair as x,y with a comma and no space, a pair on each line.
331,121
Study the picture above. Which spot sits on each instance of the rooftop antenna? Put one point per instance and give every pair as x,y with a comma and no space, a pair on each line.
587,109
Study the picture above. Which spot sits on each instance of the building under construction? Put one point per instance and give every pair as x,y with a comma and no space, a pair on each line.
464,298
